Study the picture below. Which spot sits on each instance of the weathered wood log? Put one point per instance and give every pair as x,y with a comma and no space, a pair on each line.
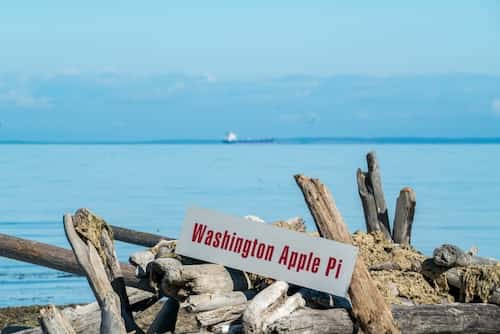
291,304
94,229
229,327
376,186
369,205
86,319
136,237
403,218
222,314
368,305
317,299
52,321
208,302
311,321
164,271
256,312
166,319
140,260
57,258
416,319
452,256
203,278
91,263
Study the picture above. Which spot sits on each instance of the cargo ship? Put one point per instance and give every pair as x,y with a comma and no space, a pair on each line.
232,138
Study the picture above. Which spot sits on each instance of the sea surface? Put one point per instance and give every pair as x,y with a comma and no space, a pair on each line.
149,187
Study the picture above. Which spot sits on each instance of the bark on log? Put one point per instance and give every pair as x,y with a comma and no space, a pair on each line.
57,258
53,322
403,218
208,302
452,256
417,319
90,261
368,306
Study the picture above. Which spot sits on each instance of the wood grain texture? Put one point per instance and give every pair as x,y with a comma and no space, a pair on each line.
52,321
57,258
91,263
415,319
368,306
403,218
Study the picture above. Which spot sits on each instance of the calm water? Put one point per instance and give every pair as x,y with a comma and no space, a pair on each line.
148,187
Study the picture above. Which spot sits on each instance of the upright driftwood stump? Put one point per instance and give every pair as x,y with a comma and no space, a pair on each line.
372,197
368,306
403,218
89,259
52,321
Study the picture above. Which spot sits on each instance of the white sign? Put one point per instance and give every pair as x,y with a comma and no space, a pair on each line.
312,262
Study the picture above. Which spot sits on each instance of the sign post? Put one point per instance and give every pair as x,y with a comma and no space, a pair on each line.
235,242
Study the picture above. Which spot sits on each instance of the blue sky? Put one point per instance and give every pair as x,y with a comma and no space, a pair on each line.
251,39
157,69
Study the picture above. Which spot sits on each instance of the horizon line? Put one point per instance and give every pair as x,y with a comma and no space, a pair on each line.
283,140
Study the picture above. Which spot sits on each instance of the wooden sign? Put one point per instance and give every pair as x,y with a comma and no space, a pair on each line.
267,250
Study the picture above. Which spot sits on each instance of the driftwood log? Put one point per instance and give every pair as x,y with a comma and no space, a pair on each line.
222,314
403,218
185,280
86,319
452,256
368,305
269,305
136,237
57,258
372,197
52,321
166,319
416,319
89,259
212,301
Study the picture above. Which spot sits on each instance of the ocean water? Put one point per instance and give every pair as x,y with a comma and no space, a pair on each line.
148,187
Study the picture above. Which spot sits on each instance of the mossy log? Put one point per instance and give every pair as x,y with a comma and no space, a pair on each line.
89,259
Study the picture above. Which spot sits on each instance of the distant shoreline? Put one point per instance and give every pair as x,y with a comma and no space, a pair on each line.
276,141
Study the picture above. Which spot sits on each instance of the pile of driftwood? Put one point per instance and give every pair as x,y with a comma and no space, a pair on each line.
161,291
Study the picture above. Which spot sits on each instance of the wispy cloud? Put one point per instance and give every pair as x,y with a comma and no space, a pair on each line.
22,99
